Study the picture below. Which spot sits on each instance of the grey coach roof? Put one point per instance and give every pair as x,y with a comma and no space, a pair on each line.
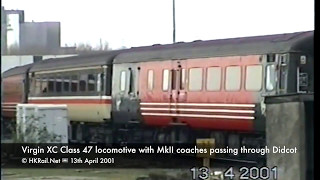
16,70
279,43
94,59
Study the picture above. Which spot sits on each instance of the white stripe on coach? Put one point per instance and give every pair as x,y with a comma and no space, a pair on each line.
199,104
8,109
199,110
69,97
10,103
6,106
199,115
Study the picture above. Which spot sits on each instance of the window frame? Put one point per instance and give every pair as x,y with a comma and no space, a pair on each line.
226,78
56,81
44,79
131,83
275,77
66,82
36,85
67,78
202,78
77,79
53,77
94,75
246,76
221,78
85,81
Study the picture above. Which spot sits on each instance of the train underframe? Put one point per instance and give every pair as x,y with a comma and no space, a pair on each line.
137,133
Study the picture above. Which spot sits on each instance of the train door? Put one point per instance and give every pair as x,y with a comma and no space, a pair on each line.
178,91
177,97
161,89
156,93
168,89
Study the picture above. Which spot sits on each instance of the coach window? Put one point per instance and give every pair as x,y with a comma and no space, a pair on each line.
66,83
100,80
165,80
233,78
123,78
103,77
82,82
182,79
214,78
195,79
74,83
51,84
37,87
58,84
174,74
150,80
254,78
91,82
270,77
131,81
44,84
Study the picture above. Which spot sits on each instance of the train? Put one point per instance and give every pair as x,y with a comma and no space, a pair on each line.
173,93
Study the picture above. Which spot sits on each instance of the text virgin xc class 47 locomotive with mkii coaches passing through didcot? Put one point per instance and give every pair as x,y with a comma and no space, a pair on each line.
171,93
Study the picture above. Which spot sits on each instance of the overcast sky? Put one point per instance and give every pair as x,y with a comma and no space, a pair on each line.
132,23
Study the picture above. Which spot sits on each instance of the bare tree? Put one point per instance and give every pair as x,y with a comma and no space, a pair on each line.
84,47
105,46
13,49
123,47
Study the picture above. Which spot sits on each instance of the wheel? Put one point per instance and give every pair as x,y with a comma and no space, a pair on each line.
219,138
79,134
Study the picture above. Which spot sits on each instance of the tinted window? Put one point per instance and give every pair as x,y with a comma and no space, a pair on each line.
82,82
173,79
195,79
66,83
51,84
58,84
214,79
74,83
233,78
131,81
100,82
254,78
91,82
37,88
103,77
44,84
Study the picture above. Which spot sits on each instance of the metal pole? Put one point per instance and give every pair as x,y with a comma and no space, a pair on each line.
174,22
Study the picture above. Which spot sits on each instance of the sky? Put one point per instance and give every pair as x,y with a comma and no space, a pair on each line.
132,23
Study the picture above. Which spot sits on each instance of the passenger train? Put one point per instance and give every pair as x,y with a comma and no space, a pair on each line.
171,93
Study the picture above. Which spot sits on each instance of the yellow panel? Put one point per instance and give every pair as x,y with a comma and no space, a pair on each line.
89,112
